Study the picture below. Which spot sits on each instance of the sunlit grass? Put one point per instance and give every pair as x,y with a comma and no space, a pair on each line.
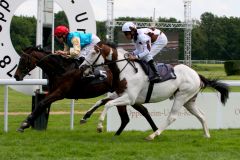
59,142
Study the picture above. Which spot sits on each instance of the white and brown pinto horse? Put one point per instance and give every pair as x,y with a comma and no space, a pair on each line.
183,89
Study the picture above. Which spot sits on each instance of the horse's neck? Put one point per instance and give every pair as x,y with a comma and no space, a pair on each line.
57,65
38,55
127,69
49,65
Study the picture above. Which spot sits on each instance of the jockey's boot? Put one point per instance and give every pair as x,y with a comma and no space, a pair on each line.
156,77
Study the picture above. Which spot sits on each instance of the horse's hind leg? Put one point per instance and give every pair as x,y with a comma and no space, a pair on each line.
41,106
93,108
179,101
192,108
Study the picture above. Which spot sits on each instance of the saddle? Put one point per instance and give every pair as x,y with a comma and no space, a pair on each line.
165,71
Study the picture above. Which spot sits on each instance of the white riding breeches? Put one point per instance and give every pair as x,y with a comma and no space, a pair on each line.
158,45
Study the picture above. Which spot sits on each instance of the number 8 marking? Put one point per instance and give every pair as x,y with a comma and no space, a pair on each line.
6,60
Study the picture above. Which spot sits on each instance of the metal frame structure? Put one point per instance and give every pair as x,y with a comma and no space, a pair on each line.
110,20
186,25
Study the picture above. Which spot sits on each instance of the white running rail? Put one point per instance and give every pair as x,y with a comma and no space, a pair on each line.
7,82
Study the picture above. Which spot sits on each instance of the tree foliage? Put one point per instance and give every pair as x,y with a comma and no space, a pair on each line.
216,38
213,37
23,32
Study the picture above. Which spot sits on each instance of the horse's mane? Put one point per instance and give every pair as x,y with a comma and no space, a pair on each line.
37,48
110,44
114,46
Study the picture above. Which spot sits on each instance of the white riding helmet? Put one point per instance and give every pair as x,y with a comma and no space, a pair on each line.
126,26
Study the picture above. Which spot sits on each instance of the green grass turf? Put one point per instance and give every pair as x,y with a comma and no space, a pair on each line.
58,142
83,143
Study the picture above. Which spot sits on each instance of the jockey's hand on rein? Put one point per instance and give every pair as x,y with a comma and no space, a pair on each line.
132,57
59,52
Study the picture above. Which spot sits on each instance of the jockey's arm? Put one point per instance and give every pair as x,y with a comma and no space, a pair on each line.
145,43
65,52
74,51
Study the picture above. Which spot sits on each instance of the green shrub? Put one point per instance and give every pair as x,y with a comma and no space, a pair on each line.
232,67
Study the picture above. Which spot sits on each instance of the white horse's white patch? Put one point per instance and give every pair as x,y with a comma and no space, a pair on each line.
109,57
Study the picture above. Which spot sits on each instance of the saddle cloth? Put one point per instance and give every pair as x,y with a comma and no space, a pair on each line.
99,75
166,71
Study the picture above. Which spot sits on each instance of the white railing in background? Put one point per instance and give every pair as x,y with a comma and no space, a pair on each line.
7,82
204,61
218,117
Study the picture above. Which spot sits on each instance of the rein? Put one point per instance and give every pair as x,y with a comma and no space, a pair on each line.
38,61
116,61
26,69
112,62
42,59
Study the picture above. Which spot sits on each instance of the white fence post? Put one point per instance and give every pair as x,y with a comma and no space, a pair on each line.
72,115
6,108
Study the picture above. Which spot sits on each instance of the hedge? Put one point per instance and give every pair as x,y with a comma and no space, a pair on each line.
232,67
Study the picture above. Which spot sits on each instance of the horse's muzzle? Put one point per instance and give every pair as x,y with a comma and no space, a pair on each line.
18,78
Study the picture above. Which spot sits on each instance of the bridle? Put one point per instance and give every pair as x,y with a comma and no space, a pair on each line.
93,65
26,69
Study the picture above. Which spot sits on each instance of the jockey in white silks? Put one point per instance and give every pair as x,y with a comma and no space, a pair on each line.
159,43
76,44
148,43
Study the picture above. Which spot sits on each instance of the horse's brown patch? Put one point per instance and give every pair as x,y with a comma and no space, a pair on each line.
122,85
118,85
115,55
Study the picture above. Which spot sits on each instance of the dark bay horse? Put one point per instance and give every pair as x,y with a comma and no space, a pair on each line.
65,80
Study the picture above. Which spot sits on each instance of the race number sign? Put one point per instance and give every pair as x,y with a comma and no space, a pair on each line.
80,17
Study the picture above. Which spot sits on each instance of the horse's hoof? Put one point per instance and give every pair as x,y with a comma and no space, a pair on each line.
100,129
83,121
23,126
149,138
21,130
207,136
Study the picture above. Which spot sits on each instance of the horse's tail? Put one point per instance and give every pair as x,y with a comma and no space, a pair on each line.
219,86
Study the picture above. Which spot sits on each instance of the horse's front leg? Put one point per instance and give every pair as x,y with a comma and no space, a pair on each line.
122,111
41,106
140,108
120,101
